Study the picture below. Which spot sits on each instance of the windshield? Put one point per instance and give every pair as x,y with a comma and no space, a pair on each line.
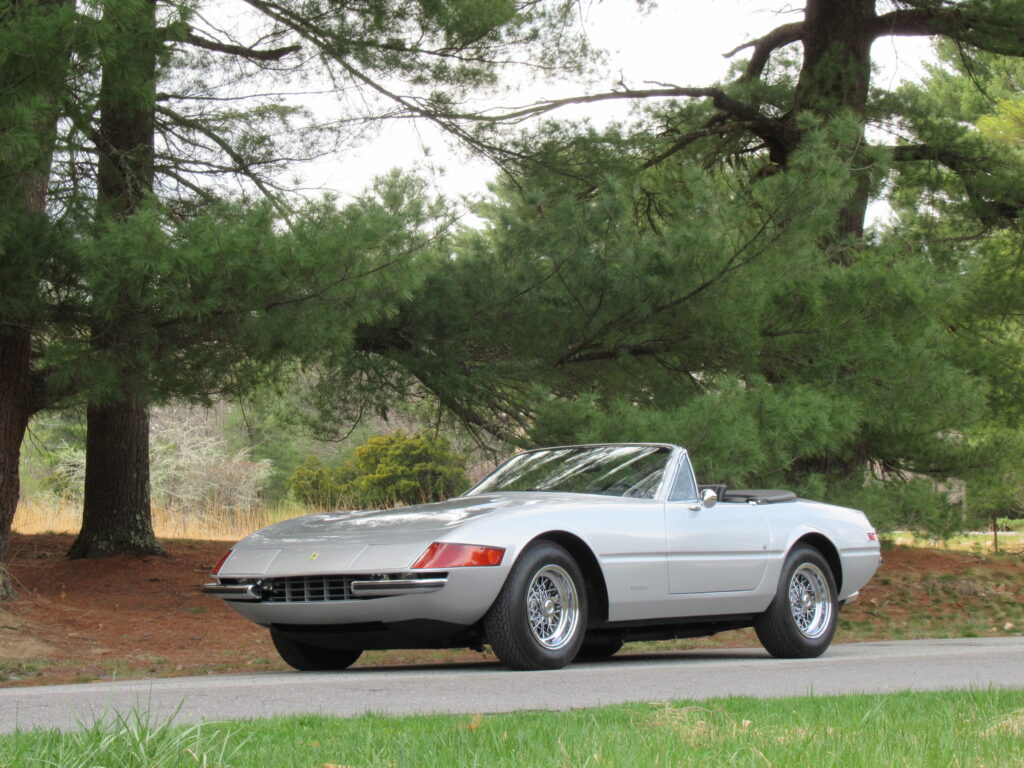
634,471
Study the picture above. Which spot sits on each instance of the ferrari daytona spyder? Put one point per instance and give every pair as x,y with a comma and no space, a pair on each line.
560,553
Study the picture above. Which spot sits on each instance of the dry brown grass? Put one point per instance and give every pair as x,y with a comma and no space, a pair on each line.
976,543
35,516
1012,724
216,524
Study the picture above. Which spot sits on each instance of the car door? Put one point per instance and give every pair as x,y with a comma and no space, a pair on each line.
723,548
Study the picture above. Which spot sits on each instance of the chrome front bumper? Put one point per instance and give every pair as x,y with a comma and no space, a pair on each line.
386,587
363,588
232,591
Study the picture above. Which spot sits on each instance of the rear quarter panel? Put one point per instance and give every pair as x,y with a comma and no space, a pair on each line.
847,529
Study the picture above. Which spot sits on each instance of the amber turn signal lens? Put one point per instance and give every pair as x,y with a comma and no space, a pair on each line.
217,567
441,554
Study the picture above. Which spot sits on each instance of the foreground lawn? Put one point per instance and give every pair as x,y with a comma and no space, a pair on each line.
982,729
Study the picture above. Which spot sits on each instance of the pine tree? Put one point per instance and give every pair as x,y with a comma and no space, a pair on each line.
122,62
35,46
706,276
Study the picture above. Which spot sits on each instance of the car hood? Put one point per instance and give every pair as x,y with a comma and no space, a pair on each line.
362,525
385,539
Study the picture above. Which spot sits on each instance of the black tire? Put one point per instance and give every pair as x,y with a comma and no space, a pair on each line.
801,620
546,584
309,658
599,649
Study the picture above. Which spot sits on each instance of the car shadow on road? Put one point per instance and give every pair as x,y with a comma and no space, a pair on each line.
618,660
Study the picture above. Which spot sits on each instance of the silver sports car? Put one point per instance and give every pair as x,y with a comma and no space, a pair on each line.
560,553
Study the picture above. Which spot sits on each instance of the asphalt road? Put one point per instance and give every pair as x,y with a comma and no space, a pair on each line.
470,688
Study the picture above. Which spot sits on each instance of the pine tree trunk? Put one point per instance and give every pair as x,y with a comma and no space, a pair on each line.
116,515
836,68
834,78
15,377
116,509
24,176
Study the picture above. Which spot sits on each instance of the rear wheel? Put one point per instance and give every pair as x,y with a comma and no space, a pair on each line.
801,620
310,658
539,617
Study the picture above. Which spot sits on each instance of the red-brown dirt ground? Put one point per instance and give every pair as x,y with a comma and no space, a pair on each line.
84,620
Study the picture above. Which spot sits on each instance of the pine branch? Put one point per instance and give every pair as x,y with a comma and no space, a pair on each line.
313,35
202,193
766,128
243,166
765,46
253,54
985,31
716,126
718,97
968,170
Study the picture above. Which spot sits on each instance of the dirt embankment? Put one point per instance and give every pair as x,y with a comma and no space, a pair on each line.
83,620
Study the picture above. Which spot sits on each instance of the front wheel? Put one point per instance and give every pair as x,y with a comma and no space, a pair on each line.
310,658
539,617
801,620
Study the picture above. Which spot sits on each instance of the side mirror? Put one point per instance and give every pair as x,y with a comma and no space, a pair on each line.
709,498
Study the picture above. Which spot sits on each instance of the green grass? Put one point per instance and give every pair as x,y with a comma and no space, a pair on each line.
980,729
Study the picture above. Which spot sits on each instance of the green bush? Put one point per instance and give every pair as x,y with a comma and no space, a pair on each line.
319,485
387,470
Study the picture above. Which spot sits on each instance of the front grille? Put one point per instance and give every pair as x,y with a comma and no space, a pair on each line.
323,589
308,589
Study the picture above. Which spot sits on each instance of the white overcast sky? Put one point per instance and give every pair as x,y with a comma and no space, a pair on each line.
679,42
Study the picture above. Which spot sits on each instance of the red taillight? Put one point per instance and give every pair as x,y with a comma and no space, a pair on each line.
216,568
441,554
872,536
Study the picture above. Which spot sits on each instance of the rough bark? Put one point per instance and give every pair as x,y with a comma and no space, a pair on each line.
834,78
837,37
127,112
116,510
116,514
15,379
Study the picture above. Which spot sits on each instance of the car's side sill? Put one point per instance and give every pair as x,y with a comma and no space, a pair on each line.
662,629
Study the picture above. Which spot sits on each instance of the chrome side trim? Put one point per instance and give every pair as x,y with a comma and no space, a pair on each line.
387,587
850,599
232,591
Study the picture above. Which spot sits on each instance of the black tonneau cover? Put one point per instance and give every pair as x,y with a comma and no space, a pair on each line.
759,496
751,496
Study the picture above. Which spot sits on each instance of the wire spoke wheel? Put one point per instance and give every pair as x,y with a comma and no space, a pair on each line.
810,600
552,606
801,621
539,619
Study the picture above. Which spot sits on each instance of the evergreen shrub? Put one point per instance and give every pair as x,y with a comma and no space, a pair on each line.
385,471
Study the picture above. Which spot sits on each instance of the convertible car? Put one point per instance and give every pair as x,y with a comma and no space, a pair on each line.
560,553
